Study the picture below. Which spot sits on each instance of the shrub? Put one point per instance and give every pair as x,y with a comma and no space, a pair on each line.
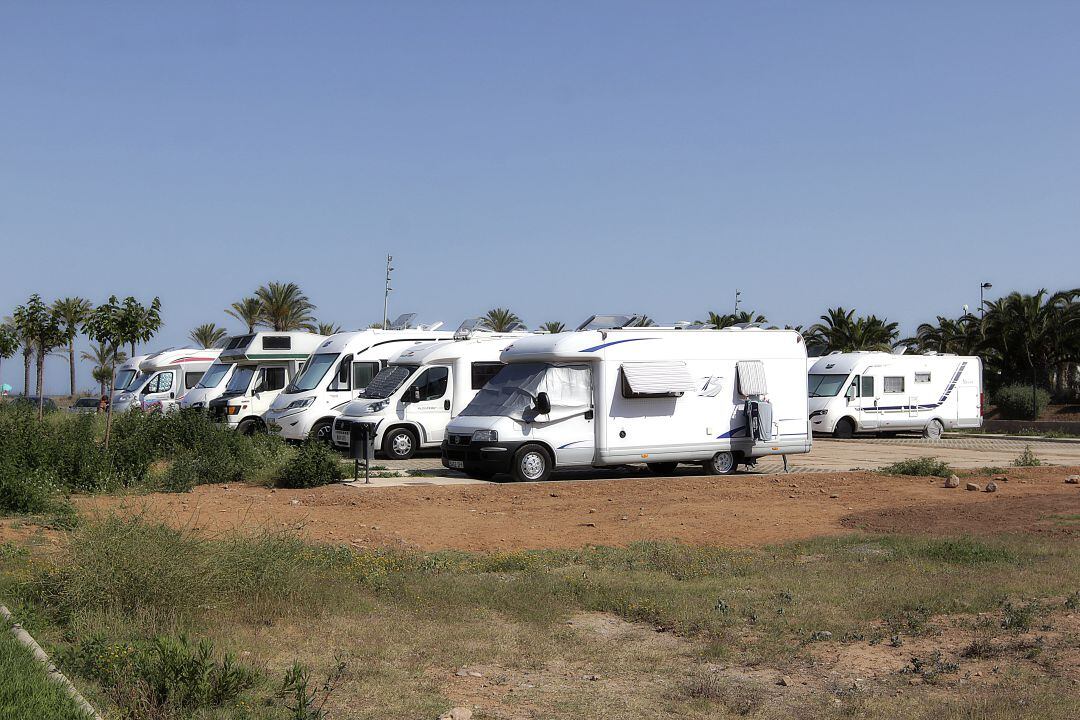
35,493
921,467
315,464
1027,458
1015,402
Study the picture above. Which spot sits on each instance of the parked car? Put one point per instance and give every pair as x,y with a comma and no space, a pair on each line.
85,405
32,402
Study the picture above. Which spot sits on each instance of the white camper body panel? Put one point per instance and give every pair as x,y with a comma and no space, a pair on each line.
334,375
458,367
649,395
125,374
883,392
264,364
165,377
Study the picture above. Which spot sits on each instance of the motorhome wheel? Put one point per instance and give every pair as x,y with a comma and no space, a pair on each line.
933,430
248,427
722,463
531,464
844,429
400,444
323,431
662,468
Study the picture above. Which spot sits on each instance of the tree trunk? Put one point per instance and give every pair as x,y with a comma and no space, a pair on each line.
41,382
28,356
71,363
132,350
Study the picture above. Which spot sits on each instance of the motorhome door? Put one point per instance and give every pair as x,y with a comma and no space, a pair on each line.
866,401
427,402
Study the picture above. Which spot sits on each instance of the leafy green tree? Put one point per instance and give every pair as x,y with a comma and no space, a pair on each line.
553,326
9,342
71,311
285,307
207,335
500,319
1033,338
40,326
110,325
138,323
326,328
105,359
248,311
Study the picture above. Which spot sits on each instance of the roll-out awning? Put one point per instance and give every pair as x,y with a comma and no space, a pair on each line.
658,378
751,377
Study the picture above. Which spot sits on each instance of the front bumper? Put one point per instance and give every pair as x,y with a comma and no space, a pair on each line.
459,452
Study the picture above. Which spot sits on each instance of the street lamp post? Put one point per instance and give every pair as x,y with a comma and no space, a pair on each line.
738,294
982,302
386,293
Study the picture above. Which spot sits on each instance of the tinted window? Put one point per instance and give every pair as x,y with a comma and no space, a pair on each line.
894,384
123,378
191,379
432,384
362,373
273,378
867,389
922,377
238,342
316,368
213,376
482,372
276,342
825,385
241,379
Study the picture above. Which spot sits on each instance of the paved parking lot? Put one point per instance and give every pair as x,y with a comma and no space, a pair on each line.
828,455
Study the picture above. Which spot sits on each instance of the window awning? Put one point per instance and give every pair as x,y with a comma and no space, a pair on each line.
751,377
658,378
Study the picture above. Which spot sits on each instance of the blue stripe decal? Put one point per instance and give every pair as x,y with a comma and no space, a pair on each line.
931,406
614,342
569,444
732,431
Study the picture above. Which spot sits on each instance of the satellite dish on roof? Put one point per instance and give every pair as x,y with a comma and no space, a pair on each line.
403,322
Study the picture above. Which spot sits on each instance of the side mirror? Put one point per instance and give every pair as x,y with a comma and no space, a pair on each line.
412,395
850,394
542,404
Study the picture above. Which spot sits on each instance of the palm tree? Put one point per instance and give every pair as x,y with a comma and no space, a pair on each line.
643,321
207,335
553,326
1033,336
841,330
247,311
500,319
742,317
72,312
105,359
326,328
962,336
285,307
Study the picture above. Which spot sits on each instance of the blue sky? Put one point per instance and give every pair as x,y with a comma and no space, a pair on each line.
560,158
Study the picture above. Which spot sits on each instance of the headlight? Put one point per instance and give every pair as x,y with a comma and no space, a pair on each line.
485,436
297,404
124,397
232,409
819,413
377,406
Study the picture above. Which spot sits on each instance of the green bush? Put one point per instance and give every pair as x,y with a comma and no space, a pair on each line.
315,464
35,493
1015,402
921,467
1027,458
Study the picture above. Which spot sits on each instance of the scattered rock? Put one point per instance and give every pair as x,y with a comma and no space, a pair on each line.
592,510
592,678
1073,480
588,524
458,713
974,487
834,497
295,502
991,486
473,673
820,635
785,681
1001,478
462,673
952,482
624,517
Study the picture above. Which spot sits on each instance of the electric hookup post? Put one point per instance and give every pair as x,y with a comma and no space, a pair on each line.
361,447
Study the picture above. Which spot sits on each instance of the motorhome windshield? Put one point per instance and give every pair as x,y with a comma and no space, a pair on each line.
138,381
386,383
512,392
124,377
212,377
825,385
313,374
240,380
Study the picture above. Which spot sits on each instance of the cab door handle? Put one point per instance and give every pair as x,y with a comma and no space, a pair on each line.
446,405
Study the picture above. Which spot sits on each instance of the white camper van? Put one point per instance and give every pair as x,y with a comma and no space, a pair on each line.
335,374
660,396
125,374
884,392
211,385
265,362
411,400
164,377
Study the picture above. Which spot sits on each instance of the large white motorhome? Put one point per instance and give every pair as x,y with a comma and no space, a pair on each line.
334,375
859,392
264,364
409,403
660,396
211,385
165,377
125,374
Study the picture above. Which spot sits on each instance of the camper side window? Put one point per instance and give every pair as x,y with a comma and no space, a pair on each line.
484,371
432,384
341,379
866,388
273,378
362,372
192,379
894,384
922,377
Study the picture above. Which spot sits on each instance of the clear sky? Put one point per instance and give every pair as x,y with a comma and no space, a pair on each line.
560,158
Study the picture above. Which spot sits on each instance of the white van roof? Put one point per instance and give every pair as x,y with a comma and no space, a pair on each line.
478,347
178,356
848,362
359,340
270,345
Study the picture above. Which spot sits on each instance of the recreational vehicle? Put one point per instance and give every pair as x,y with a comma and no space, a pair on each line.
884,392
125,374
211,385
659,396
264,363
409,403
336,372
164,377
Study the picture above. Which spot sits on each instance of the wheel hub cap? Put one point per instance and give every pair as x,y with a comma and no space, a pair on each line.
402,444
532,466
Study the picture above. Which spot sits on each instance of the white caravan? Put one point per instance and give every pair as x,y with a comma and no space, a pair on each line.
125,374
164,377
334,375
660,396
408,404
211,385
265,363
885,392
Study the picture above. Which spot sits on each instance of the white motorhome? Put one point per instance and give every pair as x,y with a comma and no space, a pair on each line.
164,377
336,372
211,385
659,396
125,374
409,403
859,392
264,364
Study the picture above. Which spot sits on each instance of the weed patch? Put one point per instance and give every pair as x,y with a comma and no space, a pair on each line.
920,467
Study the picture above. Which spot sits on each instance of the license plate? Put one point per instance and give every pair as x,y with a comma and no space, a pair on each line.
457,464
341,437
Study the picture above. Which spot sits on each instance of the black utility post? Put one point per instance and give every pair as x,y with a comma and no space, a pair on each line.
984,286
361,447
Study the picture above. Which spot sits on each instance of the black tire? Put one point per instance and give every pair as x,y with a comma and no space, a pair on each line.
662,469
400,444
249,426
322,431
722,463
532,463
845,429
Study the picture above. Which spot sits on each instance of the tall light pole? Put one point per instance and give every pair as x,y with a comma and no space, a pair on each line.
738,294
386,293
982,288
